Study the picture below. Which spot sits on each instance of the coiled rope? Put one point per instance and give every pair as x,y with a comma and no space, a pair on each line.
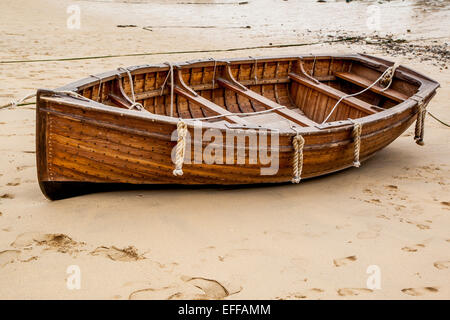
356,134
181,147
298,142
420,123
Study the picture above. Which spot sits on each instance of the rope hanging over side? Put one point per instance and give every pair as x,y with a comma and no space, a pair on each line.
181,147
298,143
356,133
420,124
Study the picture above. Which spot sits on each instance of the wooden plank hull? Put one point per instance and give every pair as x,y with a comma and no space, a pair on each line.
79,141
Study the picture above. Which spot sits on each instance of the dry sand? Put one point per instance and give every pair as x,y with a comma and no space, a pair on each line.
309,241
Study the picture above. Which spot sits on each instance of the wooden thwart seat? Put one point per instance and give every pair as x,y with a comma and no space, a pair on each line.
267,103
334,93
205,103
363,82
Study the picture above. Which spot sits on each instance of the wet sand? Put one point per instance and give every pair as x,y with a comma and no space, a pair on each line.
309,241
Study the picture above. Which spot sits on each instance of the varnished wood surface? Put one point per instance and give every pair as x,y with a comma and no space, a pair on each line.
101,141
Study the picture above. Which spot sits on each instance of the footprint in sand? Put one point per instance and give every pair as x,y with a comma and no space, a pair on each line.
21,168
155,293
446,204
413,248
300,295
129,253
192,288
14,183
212,289
353,291
420,291
442,264
58,242
8,256
344,261
7,196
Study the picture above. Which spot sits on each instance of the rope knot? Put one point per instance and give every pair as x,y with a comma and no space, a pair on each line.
181,147
298,143
388,76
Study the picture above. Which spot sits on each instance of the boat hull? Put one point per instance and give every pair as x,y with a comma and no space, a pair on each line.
79,142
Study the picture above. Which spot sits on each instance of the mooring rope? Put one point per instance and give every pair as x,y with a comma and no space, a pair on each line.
15,103
298,143
420,123
181,147
356,134
383,76
438,120
140,54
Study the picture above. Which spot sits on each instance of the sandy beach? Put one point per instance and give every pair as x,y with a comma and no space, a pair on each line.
315,240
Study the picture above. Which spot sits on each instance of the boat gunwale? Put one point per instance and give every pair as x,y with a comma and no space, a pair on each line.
168,138
424,92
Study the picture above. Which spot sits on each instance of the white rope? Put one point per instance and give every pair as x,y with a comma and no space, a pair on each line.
356,134
15,103
135,104
237,114
181,147
387,71
74,95
298,143
388,77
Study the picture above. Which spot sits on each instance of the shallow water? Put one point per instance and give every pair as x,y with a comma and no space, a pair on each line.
284,19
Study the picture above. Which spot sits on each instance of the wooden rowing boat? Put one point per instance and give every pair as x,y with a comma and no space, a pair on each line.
315,115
